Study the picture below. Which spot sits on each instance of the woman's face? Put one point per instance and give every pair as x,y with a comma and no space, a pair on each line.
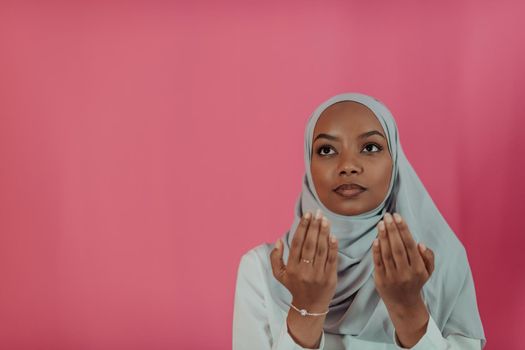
351,165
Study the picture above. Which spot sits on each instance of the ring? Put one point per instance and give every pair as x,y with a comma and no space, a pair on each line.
306,261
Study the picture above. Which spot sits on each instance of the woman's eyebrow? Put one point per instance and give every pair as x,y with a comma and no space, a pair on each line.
370,133
327,136
335,138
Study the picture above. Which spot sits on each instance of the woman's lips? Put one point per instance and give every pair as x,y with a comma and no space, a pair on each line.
349,191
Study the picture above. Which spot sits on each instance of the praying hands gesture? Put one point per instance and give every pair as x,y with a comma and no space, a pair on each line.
402,267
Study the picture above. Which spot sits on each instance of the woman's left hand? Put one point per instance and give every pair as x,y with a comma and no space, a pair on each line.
401,269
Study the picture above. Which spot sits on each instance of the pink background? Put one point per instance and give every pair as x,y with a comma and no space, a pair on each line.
145,146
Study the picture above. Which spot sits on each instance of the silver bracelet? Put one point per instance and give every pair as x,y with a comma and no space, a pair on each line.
303,312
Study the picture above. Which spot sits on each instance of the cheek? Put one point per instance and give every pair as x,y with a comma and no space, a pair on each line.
384,173
320,175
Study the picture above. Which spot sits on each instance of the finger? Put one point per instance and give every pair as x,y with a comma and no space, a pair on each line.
322,245
298,238
428,258
384,244
414,258
376,252
396,243
310,240
331,259
276,259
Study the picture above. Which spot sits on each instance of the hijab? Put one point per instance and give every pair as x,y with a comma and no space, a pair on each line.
356,308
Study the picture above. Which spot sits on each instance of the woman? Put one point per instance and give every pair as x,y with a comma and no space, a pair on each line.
354,270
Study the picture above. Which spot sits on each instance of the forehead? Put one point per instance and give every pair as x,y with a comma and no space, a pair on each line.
347,117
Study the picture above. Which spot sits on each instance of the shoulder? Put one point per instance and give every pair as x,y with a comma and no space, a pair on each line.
253,274
255,259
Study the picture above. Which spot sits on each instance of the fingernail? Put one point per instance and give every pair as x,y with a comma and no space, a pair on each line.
278,244
423,247
397,218
388,218
307,215
324,222
332,238
381,225
376,242
318,214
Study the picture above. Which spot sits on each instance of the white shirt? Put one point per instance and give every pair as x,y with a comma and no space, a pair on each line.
259,323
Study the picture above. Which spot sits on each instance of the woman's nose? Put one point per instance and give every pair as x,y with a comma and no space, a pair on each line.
350,165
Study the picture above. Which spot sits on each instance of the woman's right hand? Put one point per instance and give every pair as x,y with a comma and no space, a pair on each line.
311,272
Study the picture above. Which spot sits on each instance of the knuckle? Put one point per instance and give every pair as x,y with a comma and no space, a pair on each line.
419,271
405,279
305,278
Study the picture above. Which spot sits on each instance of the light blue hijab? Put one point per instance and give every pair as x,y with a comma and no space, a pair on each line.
356,308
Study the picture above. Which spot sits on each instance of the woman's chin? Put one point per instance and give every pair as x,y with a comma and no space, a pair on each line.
346,206
347,210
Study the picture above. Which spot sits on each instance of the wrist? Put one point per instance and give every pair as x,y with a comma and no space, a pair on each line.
305,312
407,311
305,331
410,323
410,337
310,307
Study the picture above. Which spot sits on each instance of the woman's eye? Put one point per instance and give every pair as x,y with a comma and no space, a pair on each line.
370,148
325,150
